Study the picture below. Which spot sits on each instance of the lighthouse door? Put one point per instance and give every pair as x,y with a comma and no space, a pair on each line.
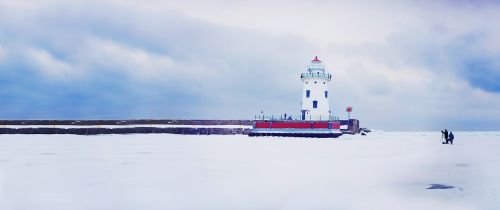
303,114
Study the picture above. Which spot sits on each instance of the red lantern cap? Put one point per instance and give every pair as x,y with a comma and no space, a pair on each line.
316,59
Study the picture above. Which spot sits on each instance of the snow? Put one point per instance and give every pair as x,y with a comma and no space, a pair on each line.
384,170
127,126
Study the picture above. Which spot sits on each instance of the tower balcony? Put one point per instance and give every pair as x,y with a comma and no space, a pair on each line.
316,75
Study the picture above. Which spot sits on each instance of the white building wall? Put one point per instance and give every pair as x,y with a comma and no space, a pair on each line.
317,93
316,81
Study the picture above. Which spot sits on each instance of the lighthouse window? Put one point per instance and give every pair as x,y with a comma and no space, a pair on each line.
315,104
326,94
308,93
315,82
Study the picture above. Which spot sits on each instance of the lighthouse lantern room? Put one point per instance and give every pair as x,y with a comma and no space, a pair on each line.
315,93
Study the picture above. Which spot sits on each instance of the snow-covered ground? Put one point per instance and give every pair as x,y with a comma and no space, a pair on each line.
126,126
384,170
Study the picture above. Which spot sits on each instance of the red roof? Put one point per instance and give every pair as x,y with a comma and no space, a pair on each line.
316,59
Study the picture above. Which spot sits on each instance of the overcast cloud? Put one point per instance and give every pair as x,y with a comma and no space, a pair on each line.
402,65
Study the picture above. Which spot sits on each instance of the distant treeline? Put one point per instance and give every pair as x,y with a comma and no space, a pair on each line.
125,122
136,130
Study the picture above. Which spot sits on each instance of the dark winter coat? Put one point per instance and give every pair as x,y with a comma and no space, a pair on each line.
445,132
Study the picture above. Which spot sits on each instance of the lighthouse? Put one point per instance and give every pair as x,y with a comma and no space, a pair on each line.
315,119
315,105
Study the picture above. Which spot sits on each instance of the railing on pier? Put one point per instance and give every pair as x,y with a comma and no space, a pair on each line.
295,118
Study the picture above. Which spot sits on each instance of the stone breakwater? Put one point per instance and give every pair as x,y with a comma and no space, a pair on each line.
134,130
142,126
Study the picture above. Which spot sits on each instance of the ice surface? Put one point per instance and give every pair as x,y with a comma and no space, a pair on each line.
439,186
384,170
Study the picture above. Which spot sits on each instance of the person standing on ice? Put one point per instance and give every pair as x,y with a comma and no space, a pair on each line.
445,133
451,137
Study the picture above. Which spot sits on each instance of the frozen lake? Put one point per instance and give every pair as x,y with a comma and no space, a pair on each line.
384,170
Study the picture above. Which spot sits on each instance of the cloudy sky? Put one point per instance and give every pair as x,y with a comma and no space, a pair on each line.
402,65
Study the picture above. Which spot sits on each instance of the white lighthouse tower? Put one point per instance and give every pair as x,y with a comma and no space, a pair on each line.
315,94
